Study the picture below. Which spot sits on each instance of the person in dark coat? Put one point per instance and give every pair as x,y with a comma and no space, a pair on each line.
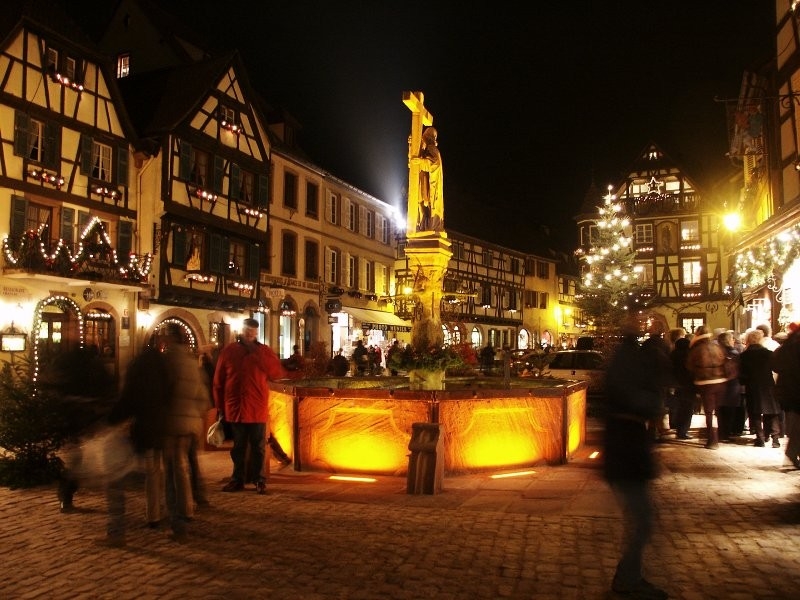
786,363
756,375
656,350
143,401
685,395
732,398
633,398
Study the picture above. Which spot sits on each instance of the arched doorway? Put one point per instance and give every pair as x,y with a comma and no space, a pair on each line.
188,332
58,327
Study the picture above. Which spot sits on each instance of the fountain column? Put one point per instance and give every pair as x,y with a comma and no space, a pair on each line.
428,249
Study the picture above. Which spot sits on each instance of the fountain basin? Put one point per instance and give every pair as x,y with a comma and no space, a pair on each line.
363,425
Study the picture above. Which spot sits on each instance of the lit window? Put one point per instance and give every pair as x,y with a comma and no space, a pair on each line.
123,65
200,167
690,232
646,275
237,253
691,272
332,266
36,140
101,161
644,233
369,271
370,224
246,188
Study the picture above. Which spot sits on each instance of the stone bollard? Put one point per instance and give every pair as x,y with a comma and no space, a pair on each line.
426,461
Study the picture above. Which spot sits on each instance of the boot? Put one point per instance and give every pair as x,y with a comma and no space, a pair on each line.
713,438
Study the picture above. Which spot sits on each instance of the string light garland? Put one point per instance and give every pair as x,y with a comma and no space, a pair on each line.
756,265
31,253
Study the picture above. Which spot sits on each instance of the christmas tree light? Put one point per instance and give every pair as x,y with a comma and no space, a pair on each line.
609,285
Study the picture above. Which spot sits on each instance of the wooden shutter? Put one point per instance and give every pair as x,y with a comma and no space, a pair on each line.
19,208
254,264
86,154
21,133
233,191
262,195
179,253
52,146
124,239
216,261
219,174
185,161
122,166
68,225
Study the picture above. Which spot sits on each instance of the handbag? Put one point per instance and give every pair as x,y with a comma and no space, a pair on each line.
216,433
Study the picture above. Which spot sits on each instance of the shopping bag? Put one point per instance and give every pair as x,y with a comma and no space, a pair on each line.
216,433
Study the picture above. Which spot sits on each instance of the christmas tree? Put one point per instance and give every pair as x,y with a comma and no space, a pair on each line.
609,286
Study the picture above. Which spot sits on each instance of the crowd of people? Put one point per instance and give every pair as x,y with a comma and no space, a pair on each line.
740,383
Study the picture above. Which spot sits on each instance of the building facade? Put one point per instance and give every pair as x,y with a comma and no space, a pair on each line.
73,268
677,241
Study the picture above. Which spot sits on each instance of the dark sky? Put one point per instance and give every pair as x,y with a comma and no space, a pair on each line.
532,101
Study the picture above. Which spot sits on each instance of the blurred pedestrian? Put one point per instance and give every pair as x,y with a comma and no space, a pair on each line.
706,362
390,353
632,386
241,394
143,402
656,350
732,398
759,386
187,406
685,395
86,390
786,363
360,358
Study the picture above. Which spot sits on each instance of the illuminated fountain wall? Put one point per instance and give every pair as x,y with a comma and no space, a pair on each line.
368,430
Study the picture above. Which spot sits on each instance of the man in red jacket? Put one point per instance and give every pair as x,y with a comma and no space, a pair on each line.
241,395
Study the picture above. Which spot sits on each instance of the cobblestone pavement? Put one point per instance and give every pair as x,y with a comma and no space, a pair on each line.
727,527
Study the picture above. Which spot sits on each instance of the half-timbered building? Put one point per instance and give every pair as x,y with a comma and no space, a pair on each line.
69,219
677,240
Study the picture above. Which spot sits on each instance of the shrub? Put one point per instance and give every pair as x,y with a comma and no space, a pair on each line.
33,427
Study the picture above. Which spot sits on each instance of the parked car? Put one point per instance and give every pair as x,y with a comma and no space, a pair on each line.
581,365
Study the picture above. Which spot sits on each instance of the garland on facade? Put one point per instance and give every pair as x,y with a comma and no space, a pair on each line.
755,266
30,252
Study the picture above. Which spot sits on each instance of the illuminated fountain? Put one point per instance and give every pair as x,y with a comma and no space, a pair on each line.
343,425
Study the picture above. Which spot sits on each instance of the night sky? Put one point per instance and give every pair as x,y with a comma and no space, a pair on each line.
532,101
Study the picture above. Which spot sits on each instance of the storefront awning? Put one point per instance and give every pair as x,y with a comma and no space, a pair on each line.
377,319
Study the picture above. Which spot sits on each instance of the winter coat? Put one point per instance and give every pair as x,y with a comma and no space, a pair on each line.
786,363
190,402
241,382
733,389
756,375
632,397
706,360
144,398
